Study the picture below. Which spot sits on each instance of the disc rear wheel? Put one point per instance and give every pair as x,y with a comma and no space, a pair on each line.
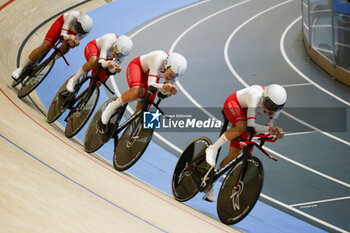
93,139
58,104
189,169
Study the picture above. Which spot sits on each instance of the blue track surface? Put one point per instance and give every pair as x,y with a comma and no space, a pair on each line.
156,165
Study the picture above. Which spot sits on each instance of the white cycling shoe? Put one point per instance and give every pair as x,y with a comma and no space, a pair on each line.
71,85
16,73
210,195
210,156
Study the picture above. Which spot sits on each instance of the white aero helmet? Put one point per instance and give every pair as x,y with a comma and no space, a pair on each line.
83,24
123,46
177,63
274,97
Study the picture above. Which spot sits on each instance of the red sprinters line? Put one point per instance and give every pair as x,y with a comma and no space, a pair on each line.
107,168
5,5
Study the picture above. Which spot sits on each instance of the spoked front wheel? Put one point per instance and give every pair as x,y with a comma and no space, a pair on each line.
132,144
189,168
36,77
234,204
59,103
82,111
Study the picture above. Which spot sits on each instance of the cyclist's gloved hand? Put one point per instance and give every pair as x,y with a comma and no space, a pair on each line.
112,67
211,154
170,88
278,132
71,40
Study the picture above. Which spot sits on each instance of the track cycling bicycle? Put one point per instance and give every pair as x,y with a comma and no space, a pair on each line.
32,75
129,148
240,188
81,106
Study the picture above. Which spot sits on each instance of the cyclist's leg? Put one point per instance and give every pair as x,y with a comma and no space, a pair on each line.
234,150
139,106
39,51
234,114
128,96
64,48
33,56
137,84
51,37
237,116
91,54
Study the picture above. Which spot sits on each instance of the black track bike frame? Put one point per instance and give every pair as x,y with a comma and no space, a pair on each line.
244,155
147,103
90,89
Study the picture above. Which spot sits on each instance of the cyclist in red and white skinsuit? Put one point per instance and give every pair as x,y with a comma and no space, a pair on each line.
143,72
109,51
240,109
71,26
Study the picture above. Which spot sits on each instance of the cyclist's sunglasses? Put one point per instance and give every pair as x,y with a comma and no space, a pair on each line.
175,75
119,54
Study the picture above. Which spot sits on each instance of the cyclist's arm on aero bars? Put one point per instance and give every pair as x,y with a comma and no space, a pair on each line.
154,66
152,81
107,44
68,20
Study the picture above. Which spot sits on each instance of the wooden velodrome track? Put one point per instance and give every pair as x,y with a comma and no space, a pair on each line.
47,182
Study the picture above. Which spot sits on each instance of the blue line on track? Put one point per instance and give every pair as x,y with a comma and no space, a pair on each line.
75,182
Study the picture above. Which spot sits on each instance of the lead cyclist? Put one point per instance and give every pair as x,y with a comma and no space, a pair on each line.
240,109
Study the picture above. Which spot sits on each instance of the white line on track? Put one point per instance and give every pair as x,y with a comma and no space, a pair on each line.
297,85
304,214
315,128
300,133
166,16
307,168
284,54
321,201
294,162
289,115
182,35
240,79
134,34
